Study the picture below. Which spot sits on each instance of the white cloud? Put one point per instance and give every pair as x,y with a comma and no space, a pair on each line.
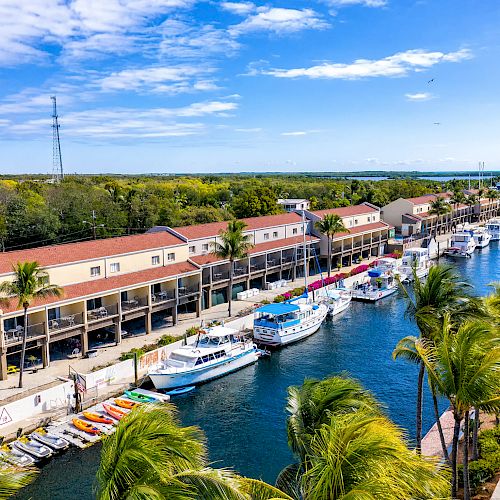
295,133
419,96
279,20
249,130
399,64
239,8
365,3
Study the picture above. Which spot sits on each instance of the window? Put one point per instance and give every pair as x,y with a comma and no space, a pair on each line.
302,229
204,247
123,296
171,257
294,230
94,303
114,267
275,234
155,260
95,271
369,219
192,249
266,236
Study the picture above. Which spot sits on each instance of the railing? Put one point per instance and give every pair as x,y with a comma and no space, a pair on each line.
16,334
288,260
135,303
274,262
162,296
102,312
347,246
68,321
375,239
240,271
257,267
186,290
219,275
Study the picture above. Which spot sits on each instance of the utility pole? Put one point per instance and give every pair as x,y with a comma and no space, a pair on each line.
93,224
57,166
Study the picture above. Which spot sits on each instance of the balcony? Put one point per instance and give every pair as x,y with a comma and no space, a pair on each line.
163,296
102,313
336,249
375,239
273,263
135,303
66,322
185,291
240,271
288,259
258,266
219,275
15,335
347,246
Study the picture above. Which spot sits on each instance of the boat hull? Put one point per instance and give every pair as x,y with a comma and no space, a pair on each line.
373,295
337,308
167,381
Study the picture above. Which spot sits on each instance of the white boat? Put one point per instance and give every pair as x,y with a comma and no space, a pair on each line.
218,351
463,244
381,284
286,322
37,450
482,237
493,227
415,258
392,266
337,300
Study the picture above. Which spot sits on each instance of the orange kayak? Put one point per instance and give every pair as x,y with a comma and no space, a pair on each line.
129,405
114,412
95,417
85,426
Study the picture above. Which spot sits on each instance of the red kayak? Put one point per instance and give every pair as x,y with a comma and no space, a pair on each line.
113,411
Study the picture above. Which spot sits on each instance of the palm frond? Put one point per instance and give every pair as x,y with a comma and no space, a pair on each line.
12,478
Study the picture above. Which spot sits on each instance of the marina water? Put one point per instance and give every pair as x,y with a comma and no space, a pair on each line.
243,414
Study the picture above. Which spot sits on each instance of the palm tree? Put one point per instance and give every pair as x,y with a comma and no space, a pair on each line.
492,194
30,282
442,291
13,478
233,245
439,207
471,201
151,456
457,199
464,367
330,225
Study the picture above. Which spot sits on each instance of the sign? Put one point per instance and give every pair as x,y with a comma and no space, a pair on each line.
5,418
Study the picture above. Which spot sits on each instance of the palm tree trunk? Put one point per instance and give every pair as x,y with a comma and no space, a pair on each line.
454,450
475,432
420,393
23,348
466,457
329,256
438,423
230,292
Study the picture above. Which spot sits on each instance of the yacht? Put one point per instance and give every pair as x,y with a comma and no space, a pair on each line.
463,244
415,258
218,350
283,323
380,284
482,237
337,300
392,266
493,227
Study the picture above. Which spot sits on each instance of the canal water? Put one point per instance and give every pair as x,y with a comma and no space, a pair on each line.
243,415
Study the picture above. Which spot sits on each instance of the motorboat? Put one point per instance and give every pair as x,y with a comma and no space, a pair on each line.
37,450
390,265
217,351
380,284
463,244
417,259
16,457
337,300
286,322
482,237
493,227
57,443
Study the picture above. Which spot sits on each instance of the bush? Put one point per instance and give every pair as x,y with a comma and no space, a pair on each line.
278,299
166,339
264,302
130,354
193,330
297,292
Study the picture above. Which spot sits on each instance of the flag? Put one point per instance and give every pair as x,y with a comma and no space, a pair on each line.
81,383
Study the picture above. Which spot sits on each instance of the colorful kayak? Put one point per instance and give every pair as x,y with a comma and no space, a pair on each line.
85,426
96,417
113,411
140,398
129,405
181,390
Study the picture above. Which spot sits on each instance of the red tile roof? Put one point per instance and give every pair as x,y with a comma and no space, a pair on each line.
347,211
420,200
212,229
374,226
86,250
89,288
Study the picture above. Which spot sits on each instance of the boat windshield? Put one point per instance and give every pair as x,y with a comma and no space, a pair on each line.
176,356
210,357
207,340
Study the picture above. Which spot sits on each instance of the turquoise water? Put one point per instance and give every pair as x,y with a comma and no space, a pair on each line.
243,414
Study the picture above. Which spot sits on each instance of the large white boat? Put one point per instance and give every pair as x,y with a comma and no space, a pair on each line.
380,284
283,323
390,265
493,227
482,237
217,351
463,244
415,258
337,300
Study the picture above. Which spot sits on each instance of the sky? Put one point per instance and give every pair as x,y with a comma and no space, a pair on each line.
188,86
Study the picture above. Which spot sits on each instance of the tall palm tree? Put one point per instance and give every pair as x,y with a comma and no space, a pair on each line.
442,291
465,368
439,207
30,282
471,201
13,478
330,225
492,194
233,245
458,198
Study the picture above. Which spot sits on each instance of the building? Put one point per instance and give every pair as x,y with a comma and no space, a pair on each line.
294,204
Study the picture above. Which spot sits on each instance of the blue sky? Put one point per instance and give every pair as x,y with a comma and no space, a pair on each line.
206,86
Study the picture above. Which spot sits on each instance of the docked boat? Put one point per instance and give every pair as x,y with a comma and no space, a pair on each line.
482,237
97,417
493,227
140,398
390,265
218,350
381,284
57,443
337,300
415,259
16,457
37,450
463,244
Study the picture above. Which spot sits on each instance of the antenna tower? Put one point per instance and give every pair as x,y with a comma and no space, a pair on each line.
57,167
481,174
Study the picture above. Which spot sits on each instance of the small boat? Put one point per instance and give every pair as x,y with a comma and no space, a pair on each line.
124,403
463,244
114,412
16,457
97,417
181,390
51,440
493,227
37,450
381,284
337,300
140,398
415,258
482,237
85,426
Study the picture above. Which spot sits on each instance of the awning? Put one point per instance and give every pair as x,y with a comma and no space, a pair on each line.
277,309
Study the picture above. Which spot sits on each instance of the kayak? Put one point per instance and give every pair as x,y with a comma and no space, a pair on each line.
113,411
140,398
129,405
96,417
85,426
181,390
51,440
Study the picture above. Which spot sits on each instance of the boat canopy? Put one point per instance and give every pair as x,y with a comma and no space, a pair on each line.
278,309
219,331
374,273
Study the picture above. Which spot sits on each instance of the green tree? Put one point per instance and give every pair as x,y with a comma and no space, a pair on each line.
30,282
471,201
439,207
13,478
331,224
232,245
255,202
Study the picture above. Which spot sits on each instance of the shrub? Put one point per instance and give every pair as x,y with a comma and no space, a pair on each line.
130,354
193,330
264,302
296,292
166,339
278,299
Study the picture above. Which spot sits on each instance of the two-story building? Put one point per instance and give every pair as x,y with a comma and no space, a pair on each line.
294,204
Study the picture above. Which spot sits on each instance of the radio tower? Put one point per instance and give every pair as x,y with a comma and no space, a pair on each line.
481,174
57,167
